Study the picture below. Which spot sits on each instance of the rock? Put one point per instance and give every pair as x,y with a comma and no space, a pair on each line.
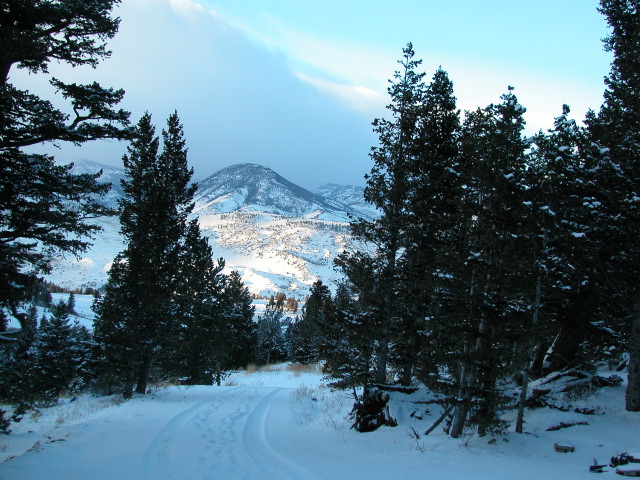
563,447
628,471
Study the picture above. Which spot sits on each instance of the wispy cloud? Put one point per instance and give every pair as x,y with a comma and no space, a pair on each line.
360,98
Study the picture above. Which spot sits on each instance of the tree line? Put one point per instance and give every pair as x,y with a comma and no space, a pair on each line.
498,258
167,309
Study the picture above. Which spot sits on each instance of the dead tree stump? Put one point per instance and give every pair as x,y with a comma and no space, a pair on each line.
372,411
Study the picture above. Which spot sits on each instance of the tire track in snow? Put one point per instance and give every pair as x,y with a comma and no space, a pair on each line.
271,462
222,432
167,456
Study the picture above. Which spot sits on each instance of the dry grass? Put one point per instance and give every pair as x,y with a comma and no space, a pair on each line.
251,368
319,404
301,368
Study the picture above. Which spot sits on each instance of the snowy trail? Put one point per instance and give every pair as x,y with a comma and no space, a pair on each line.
223,433
273,463
282,425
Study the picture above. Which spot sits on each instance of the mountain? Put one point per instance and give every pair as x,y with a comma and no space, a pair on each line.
278,235
350,196
251,187
111,175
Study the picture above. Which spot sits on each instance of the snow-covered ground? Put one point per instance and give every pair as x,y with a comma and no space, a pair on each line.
286,424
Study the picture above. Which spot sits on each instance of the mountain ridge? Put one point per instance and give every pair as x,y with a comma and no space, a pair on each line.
254,187
278,235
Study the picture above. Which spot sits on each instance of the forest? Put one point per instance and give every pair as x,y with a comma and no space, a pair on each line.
498,258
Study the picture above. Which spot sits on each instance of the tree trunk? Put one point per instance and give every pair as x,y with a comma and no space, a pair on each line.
130,381
387,312
145,370
412,346
633,387
464,398
572,332
530,360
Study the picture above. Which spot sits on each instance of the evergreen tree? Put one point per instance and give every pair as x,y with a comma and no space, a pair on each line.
196,346
54,360
348,343
237,312
387,189
158,199
60,352
490,307
115,350
71,304
431,221
42,203
305,334
270,345
616,130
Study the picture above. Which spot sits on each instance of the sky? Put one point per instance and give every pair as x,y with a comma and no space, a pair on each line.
295,84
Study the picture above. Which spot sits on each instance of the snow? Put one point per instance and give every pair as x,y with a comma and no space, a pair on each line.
284,423
84,313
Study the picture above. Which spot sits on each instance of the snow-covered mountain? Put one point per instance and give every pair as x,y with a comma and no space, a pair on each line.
351,196
278,235
111,175
249,187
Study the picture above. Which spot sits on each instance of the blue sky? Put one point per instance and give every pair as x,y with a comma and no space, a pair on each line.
295,84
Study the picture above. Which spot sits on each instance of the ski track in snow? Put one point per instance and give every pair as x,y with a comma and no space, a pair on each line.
227,433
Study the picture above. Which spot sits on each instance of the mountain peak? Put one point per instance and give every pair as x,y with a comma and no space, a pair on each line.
253,187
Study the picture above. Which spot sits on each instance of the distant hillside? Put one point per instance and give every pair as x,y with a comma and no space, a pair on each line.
251,187
350,196
278,235
111,175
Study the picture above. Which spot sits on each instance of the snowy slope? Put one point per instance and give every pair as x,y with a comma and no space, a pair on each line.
252,187
110,175
349,195
278,235
285,424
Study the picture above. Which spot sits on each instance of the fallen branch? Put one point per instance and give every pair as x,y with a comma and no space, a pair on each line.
444,415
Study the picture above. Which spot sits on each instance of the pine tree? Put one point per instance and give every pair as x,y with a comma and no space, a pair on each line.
491,306
60,353
431,220
305,334
616,130
270,345
559,215
238,312
71,304
138,299
115,340
348,344
42,203
196,345
387,189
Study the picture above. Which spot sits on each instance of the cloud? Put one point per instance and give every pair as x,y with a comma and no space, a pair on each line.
360,98
238,101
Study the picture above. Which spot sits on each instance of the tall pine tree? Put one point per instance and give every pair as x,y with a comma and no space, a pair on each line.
387,189
138,299
43,203
616,129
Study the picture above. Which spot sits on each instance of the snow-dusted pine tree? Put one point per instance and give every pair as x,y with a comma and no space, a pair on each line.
616,129
153,217
387,189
